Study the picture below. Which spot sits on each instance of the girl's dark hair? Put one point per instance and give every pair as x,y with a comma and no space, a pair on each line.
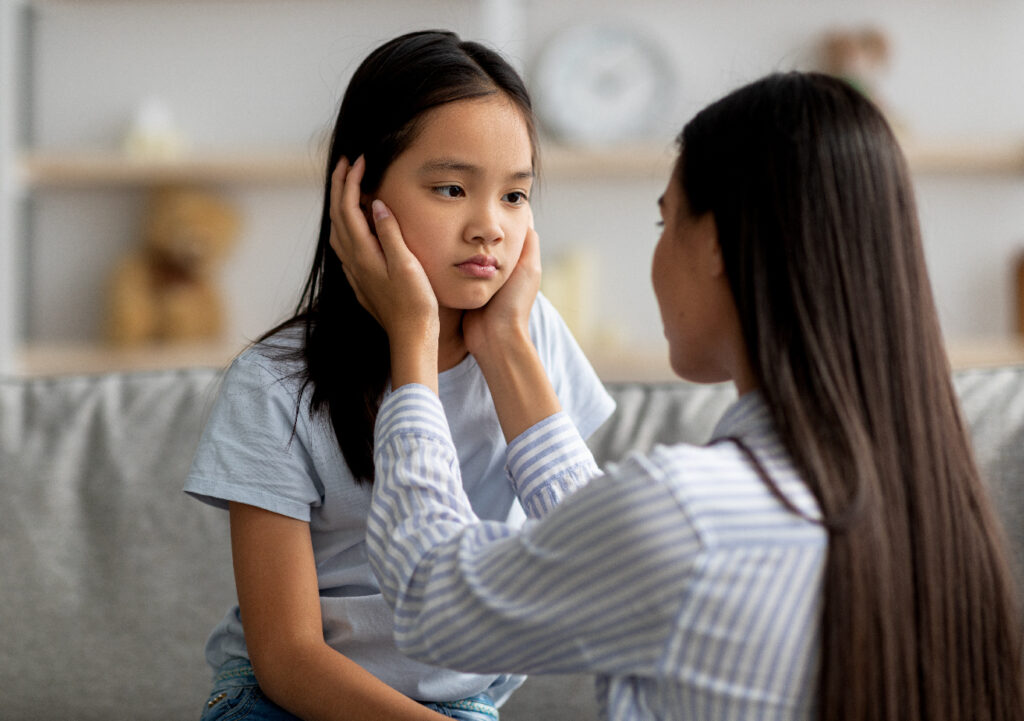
345,358
818,230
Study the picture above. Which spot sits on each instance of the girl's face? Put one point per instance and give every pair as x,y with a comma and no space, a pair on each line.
460,193
697,309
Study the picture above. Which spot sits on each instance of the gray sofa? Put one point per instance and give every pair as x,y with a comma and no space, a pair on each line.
110,577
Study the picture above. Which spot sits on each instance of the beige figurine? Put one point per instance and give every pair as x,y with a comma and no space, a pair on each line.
859,56
166,290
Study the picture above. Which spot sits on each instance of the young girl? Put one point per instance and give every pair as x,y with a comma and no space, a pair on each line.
831,554
443,133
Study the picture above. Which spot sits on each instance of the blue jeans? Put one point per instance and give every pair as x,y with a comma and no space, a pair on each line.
236,695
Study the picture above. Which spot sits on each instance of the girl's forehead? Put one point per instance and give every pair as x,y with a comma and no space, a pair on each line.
491,128
496,114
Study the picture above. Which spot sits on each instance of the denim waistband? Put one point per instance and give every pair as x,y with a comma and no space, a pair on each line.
240,673
235,673
481,704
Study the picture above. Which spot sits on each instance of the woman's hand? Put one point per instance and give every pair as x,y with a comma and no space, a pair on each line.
386,277
506,317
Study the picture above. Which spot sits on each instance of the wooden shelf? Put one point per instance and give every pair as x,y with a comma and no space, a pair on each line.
48,359
965,157
53,169
628,161
95,168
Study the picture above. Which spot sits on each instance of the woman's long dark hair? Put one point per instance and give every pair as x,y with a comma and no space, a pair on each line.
345,358
818,230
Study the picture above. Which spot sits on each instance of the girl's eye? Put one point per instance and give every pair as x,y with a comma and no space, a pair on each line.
449,191
516,197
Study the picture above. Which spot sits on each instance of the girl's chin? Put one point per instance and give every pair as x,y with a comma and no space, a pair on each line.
464,304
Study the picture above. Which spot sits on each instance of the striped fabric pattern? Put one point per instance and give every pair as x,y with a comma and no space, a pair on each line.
676,576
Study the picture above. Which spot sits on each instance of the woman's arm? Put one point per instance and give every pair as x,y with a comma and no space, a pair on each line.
280,605
498,336
595,585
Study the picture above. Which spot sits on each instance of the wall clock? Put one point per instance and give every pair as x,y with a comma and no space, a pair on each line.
600,84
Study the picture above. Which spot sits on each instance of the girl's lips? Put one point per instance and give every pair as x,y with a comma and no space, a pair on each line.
479,266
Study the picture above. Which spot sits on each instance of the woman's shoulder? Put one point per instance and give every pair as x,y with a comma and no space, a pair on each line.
726,497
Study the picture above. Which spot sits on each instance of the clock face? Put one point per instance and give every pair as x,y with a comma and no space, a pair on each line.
601,84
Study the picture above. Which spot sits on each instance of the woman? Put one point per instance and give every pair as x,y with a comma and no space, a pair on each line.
831,554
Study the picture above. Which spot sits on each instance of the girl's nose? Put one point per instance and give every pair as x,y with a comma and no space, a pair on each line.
484,226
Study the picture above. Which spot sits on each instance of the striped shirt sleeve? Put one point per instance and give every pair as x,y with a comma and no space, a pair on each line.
593,585
548,462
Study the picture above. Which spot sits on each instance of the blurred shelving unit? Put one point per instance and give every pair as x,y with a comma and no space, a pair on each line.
964,156
52,170
27,171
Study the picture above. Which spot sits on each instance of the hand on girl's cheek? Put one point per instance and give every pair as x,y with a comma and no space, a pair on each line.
365,202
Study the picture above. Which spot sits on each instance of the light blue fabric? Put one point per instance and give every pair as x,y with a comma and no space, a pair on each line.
678,577
250,454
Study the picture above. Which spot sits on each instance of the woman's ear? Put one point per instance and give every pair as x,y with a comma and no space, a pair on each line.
711,251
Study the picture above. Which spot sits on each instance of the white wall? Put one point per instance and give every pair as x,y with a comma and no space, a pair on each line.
271,73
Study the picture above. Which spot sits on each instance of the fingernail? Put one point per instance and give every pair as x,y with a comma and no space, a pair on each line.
379,210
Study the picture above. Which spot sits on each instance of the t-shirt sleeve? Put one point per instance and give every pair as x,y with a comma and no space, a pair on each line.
255,447
581,393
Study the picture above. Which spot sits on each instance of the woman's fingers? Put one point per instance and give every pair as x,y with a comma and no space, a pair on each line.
385,276
389,235
351,237
530,257
402,266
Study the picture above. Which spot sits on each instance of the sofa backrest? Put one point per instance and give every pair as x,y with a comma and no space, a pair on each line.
111,578
992,401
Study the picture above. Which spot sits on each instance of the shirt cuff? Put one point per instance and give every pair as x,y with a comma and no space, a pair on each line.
547,462
412,408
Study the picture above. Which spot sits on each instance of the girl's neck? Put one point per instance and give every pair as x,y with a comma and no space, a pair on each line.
451,346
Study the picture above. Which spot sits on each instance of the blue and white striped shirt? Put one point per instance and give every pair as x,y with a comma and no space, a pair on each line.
676,577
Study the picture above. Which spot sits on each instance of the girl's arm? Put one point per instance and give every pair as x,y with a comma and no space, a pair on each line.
280,605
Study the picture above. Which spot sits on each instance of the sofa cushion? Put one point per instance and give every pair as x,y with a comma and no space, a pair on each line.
992,400
110,577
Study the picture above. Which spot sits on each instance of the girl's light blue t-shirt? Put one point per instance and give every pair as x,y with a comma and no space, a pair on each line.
256,450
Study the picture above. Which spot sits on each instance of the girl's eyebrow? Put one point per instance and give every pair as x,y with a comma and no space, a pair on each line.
453,165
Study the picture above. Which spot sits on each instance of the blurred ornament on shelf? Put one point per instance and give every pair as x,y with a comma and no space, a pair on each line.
166,290
153,133
858,55
570,282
